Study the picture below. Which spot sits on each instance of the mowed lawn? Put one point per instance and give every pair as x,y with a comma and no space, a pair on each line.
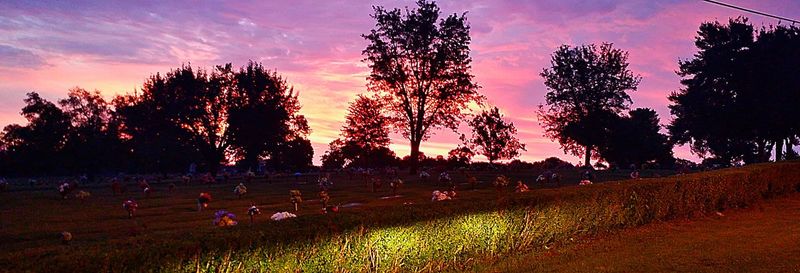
31,219
764,238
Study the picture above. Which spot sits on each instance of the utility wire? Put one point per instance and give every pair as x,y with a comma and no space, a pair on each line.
751,11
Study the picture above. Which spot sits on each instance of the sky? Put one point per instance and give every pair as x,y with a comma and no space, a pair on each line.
113,46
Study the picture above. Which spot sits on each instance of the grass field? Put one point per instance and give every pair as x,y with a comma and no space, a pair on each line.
763,238
407,233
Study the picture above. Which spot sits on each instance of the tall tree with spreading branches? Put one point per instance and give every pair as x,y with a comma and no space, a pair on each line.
587,89
264,115
421,68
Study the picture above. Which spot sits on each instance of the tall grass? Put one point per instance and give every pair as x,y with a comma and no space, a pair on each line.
439,236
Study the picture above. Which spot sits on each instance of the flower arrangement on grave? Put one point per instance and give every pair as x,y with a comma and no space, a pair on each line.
521,187
424,175
296,198
555,178
444,178
252,211
64,189
130,206
331,209
324,198
82,195
223,218
203,200
66,237
324,182
240,190
186,179
442,195
501,182
282,215
395,184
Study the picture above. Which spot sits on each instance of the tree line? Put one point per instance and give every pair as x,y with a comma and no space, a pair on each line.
186,116
739,101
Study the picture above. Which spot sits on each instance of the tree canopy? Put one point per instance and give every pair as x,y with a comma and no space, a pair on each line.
587,89
364,138
420,66
636,139
739,92
493,137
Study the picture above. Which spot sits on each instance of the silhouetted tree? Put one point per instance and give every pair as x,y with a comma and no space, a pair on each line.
739,92
157,144
334,158
264,114
493,137
191,114
93,144
421,68
772,91
636,139
36,148
586,90
294,155
461,156
364,138
162,122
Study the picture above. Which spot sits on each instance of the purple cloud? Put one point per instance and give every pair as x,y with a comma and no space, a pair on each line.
15,57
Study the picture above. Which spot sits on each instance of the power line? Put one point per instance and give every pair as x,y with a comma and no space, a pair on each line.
751,11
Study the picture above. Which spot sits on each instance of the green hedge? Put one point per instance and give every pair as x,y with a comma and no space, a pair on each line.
449,235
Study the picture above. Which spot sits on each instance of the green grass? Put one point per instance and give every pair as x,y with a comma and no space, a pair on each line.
381,236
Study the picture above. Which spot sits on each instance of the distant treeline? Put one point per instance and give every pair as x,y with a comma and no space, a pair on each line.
185,116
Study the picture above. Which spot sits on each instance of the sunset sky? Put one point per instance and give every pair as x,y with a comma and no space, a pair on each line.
112,46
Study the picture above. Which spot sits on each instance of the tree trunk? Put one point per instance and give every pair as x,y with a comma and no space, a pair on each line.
250,160
789,150
588,157
779,150
414,157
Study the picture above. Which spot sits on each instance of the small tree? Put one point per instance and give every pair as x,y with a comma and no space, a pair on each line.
365,137
493,137
421,68
586,90
461,156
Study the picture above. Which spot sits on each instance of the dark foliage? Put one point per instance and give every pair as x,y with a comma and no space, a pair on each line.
740,92
493,137
586,91
636,140
364,138
421,68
